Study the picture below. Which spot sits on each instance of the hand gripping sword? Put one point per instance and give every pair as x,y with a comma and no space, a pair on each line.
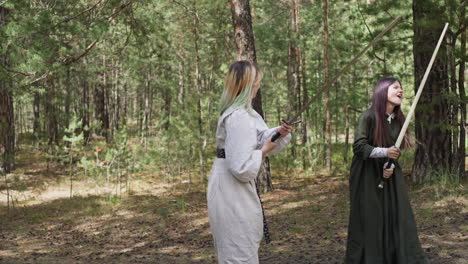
415,102
292,120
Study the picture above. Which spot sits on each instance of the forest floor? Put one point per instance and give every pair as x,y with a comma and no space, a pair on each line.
165,223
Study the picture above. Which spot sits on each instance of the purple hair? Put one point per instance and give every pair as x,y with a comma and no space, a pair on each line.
379,107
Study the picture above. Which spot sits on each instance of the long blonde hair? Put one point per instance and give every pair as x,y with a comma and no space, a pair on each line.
239,86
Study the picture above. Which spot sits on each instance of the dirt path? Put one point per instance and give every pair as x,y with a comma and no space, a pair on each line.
167,224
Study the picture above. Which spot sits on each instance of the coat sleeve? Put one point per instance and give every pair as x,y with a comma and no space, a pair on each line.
242,156
281,142
361,146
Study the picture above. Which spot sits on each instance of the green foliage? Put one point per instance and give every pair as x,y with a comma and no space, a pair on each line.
114,199
443,178
164,213
73,137
147,52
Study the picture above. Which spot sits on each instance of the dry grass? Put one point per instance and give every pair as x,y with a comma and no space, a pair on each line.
167,223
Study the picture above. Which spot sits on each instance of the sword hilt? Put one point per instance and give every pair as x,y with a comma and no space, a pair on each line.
277,134
389,162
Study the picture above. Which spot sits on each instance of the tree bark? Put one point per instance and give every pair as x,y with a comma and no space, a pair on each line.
244,39
104,100
180,72
101,110
51,112
198,83
117,97
68,97
433,150
245,50
7,118
454,107
327,85
85,106
461,90
145,110
306,152
7,129
243,32
294,61
347,108
36,113
125,104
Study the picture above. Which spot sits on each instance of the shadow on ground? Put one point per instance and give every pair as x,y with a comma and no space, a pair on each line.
307,218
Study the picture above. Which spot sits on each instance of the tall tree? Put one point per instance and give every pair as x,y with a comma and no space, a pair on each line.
433,151
7,124
84,106
198,83
327,85
461,90
244,39
294,62
36,112
51,110
245,47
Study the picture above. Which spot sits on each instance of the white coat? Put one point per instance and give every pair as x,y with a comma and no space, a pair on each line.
234,208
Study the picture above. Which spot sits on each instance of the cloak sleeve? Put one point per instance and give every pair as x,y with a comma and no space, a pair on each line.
242,156
280,142
361,147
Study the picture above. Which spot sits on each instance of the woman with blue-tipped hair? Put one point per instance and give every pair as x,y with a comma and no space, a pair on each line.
243,140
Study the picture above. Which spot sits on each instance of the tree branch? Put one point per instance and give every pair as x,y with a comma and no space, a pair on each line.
460,30
193,11
27,74
120,9
349,107
45,75
79,14
70,60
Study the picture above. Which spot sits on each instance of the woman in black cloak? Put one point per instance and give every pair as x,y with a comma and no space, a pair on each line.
381,227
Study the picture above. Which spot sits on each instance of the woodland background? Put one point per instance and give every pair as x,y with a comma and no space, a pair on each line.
108,111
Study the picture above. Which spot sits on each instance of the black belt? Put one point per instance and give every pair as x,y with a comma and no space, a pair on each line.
220,153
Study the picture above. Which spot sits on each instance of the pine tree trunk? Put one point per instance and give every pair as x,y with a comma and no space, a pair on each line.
19,118
100,101
166,95
36,113
433,151
345,154
7,118
306,154
327,85
245,49
7,128
139,109
117,97
104,114
108,105
347,109
294,80
51,112
461,90
180,72
198,82
85,107
454,107
68,97
125,104
147,106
